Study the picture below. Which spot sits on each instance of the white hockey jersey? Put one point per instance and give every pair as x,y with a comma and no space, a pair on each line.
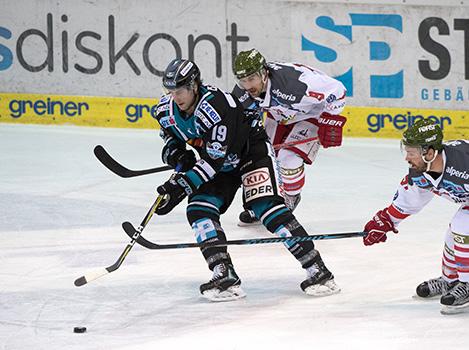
296,92
417,189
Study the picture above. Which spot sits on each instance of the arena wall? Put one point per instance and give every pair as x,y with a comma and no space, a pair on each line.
100,62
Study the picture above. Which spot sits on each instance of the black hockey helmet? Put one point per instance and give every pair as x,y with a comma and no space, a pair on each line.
180,72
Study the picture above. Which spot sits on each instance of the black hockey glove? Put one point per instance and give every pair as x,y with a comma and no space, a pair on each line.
175,190
175,157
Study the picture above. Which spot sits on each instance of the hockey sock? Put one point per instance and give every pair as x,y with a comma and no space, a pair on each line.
293,180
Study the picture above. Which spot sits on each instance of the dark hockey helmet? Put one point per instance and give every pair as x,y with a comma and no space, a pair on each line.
180,72
424,133
247,63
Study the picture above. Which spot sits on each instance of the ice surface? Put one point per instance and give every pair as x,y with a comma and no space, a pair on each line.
61,213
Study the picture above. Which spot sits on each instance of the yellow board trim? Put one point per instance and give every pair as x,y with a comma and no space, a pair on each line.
115,112
128,112
392,122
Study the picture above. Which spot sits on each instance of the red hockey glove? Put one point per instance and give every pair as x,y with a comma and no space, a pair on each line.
377,228
330,129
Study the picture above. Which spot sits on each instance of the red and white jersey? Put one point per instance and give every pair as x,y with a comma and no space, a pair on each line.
417,189
296,92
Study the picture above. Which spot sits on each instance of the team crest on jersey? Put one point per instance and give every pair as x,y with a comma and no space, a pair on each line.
215,150
231,160
210,111
166,122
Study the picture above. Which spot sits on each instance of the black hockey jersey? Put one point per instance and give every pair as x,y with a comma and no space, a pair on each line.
218,129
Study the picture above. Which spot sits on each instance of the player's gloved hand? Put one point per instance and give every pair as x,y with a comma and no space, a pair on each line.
330,129
378,227
175,190
252,114
175,157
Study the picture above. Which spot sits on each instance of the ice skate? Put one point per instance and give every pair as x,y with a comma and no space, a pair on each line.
225,285
456,300
320,281
248,218
433,288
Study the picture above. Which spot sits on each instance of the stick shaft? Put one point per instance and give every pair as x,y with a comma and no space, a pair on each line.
93,275
130,231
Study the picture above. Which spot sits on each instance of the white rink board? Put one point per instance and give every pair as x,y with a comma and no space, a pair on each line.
420,45
61,216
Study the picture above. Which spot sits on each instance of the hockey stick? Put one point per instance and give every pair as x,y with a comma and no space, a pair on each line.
118,169
106,159
130,231
293,143
135,236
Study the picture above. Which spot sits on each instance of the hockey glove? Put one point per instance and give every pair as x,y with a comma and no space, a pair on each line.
174,190
174,157
330,129
378,227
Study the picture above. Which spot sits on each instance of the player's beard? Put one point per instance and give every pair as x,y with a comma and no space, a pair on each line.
422,167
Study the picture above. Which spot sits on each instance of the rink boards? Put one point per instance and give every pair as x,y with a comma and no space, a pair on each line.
119,112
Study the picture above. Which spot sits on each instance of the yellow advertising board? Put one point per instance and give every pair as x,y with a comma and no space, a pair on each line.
130,112
392,122
113,112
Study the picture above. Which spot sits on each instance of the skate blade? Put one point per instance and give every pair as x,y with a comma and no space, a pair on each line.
247,224
232,293
453,310
322,290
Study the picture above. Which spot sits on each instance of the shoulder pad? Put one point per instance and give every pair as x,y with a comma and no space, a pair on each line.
163,105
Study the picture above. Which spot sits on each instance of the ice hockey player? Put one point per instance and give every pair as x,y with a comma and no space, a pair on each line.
301,103
233,149
435,168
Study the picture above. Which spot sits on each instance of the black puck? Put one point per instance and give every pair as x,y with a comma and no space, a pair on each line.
79,330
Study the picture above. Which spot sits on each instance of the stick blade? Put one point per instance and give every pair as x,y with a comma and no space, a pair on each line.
110,163
130,230
81,281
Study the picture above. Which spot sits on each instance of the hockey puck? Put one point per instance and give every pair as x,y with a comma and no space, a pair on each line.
79,330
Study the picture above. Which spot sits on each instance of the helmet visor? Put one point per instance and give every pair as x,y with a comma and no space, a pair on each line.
177,91
254,80
411,152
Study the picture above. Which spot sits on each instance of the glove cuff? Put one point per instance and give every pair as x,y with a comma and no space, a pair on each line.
184,182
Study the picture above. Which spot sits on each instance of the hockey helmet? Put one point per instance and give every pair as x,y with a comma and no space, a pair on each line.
424,133
247,63
180,72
